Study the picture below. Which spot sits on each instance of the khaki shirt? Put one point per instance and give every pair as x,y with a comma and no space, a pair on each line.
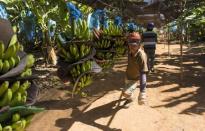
136,65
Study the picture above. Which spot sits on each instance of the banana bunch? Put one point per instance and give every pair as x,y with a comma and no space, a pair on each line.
30,60
26,73
106,64
85,81
104,55
16,123
8,57
119,42
13,95
75,52
120,50
104,44
113,30
81,68
82,31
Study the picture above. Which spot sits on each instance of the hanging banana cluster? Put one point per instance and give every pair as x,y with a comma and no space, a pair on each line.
103,44
119,42
120,51
79,69
106,64
113,30
119,46
17,118
13,94
8,57
84,81
74,53
17,123
30,60
82,31
104,55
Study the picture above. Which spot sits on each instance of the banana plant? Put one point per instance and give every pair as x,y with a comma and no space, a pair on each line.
44,10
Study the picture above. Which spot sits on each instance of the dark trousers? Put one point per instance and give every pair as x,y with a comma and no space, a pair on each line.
150,57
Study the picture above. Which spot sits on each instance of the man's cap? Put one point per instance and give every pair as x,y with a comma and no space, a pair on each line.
150,25
134,38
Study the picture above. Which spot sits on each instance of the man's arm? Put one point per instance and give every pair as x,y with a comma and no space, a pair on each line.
156,38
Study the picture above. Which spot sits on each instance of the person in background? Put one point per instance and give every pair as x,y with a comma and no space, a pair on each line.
149,39
136,70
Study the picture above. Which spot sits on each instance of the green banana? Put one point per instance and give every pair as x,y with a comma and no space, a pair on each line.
17,45
1,65
71,50
17,59
18,126
6,98
16,100
86,66
3,88
23,99
80,84
25,93
26,73
83,69
30,60
28,119
23,123
10,52
78,69
13,40
2,48
88,80
14,29
7,128
21,48
87,51
15,86
89,64
66,55
76,52
5,67
78,72
12,62
74,72
82,49
16,117
24,86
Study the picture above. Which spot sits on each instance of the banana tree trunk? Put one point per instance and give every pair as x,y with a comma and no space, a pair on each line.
48,50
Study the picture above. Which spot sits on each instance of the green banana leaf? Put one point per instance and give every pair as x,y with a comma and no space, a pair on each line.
7,113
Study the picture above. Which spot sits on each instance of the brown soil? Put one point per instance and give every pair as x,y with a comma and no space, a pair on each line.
174,104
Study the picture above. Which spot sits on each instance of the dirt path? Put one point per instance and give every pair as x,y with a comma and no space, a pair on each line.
172,107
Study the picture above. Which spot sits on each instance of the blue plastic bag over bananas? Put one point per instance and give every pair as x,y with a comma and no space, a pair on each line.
28,27
98,18
3,12
131,26
75,14
118,21
51,27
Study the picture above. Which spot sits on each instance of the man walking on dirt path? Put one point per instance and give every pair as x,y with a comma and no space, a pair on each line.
149,39
136,70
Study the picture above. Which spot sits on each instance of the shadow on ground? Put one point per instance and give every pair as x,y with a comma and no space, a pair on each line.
193,77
